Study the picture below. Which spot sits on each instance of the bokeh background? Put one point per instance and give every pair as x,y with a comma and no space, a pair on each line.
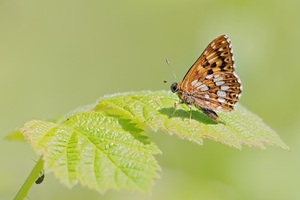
58,55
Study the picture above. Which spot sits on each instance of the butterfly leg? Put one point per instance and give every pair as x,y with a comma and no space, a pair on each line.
175,105
211,114
181,102
190,107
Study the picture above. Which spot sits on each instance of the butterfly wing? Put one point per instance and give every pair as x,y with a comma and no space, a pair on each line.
211,80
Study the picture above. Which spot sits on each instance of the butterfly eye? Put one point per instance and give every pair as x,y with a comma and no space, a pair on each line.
174,87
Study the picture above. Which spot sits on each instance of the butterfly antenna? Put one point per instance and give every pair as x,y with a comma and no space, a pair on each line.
168,62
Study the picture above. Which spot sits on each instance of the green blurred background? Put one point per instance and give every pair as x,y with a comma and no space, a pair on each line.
59,55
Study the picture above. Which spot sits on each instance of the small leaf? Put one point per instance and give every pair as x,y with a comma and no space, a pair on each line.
156,108
15,136
101,152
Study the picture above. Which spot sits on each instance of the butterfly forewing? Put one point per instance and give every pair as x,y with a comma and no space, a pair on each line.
211,82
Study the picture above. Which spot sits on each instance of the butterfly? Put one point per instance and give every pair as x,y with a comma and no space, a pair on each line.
211,83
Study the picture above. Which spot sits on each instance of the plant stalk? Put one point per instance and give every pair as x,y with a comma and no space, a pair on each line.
22,193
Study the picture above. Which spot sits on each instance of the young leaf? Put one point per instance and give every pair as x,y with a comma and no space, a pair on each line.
15,136
100,151
155,109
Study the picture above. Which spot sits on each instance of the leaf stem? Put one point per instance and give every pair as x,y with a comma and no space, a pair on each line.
22,193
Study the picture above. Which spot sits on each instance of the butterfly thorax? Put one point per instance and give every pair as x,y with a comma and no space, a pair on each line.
183,95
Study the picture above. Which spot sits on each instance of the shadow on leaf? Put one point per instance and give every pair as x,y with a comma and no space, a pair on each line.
133,128
196,115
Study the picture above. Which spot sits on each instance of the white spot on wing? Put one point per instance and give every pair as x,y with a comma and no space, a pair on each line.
219,107
221,93
216,79
206,96
224,87
209,76
227,38
194,82
204,88
219,83
221,100
238,79
198,84
240,94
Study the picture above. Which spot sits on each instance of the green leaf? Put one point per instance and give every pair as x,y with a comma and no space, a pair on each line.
103,146
99,151
15,136
156,110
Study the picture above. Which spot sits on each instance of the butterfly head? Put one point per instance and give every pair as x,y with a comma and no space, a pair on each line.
174,87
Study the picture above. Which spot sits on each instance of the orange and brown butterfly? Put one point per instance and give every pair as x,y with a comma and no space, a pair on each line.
211,83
